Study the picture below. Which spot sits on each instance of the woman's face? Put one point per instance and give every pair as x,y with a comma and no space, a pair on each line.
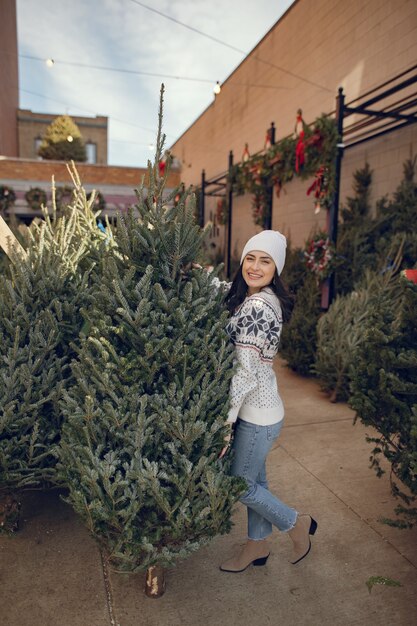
258,270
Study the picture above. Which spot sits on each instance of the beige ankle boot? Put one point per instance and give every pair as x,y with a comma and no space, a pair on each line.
300,536
253,553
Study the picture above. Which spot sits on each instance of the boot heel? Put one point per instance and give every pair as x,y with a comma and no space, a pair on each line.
261,561
313,527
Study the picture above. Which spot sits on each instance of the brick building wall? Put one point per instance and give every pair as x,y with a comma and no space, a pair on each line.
32,127
9,90
117,184
323,44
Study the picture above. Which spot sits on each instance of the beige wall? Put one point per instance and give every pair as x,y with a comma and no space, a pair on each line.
32,125
9,94
329,43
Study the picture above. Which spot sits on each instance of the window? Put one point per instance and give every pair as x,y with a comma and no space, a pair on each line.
91,150
37,144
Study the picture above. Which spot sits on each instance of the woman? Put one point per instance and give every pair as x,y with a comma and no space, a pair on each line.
259,303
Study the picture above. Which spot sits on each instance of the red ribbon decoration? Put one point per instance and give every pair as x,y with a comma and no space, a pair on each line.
317,185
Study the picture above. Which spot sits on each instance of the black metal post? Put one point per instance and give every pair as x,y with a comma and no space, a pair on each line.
334,210
202,198
329,285
270,188
229,214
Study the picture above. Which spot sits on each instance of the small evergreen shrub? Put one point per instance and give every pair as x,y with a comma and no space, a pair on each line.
298,345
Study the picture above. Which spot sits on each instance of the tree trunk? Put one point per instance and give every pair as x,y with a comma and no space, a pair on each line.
9,513
155,581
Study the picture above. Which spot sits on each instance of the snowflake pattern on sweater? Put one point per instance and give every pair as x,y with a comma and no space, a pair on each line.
255,330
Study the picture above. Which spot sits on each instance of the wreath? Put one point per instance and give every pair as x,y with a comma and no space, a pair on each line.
36,197
7,197
319,256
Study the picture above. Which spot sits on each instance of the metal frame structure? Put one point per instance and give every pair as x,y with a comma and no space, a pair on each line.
378,112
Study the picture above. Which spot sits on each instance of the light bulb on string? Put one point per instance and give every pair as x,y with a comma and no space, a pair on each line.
70,138
50,62
217,89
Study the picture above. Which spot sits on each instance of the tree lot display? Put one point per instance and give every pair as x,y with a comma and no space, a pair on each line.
342,348
144,420
366,345
41,294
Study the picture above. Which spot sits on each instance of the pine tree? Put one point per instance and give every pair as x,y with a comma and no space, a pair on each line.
384,390
41,296
63,141
299,335
145,420
340,332
356,240
396,217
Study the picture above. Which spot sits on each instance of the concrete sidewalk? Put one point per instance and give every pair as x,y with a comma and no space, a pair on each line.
51,573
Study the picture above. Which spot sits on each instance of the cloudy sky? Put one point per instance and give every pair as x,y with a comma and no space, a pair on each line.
83,36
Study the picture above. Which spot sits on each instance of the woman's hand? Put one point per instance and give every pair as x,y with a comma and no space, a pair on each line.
227,441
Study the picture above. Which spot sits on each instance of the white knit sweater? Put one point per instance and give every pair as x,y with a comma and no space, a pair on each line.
255,329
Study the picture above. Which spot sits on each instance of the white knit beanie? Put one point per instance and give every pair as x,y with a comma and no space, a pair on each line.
272,242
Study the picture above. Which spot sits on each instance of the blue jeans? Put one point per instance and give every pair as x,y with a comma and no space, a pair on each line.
251,445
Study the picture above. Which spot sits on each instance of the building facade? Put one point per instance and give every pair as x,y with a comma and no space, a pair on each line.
9,79
32,127
315,48
116,184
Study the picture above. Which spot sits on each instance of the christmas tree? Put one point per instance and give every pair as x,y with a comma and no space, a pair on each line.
396,217
63,141
299,335
340,332
145,419
41,294
384,390
356,240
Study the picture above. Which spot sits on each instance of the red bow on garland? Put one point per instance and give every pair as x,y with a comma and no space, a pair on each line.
319,186
300,147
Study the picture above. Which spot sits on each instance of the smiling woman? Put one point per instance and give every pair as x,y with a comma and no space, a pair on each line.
259,304
258,270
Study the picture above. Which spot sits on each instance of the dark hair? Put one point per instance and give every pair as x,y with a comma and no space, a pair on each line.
238,292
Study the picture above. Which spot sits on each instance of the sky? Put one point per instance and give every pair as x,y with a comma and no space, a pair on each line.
127,36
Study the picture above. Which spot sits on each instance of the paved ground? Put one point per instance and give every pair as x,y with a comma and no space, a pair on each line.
51,573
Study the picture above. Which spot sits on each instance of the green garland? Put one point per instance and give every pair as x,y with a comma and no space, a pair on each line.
276,167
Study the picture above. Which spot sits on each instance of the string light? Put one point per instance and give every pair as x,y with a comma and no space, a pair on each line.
70,138
50,62
152,74
217,89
